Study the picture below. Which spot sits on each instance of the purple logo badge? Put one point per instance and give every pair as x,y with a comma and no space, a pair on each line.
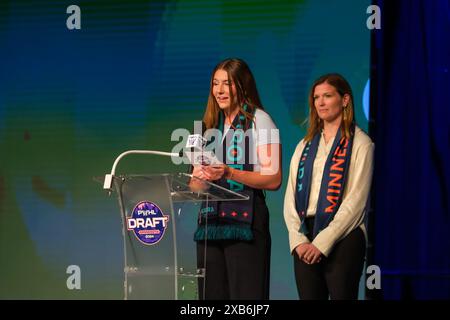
147,222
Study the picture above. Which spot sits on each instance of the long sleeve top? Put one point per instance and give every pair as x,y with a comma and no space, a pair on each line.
351,213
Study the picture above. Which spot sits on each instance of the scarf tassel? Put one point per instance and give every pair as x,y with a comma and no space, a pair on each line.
223,232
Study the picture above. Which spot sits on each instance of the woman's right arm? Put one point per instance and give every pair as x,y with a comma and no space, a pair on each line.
291,217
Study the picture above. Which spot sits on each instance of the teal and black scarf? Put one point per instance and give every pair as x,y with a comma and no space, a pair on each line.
230,219
333,181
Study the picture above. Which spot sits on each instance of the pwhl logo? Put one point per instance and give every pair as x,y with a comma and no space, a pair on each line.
147,222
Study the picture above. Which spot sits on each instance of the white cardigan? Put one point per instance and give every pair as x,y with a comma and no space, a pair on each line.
352,211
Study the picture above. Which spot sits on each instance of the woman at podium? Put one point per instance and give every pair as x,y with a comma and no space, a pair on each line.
238,238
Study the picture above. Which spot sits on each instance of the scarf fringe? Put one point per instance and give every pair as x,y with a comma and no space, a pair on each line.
229,232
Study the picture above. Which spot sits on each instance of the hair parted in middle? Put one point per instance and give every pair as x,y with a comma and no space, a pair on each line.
315,124
246,93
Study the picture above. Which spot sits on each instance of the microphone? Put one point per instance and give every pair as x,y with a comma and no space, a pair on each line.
196,142
107,183
196,153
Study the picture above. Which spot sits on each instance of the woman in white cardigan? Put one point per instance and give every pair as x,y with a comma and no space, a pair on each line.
325,201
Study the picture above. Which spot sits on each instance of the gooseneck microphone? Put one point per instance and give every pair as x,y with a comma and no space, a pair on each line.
195,144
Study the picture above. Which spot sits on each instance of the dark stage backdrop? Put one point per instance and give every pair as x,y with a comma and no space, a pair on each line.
410,87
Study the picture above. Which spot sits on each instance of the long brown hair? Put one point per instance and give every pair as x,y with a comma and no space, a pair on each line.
246,93
343,88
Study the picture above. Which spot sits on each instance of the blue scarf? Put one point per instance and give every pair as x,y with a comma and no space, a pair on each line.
333,181
230,220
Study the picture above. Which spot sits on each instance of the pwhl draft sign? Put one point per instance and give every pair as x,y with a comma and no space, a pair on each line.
147,222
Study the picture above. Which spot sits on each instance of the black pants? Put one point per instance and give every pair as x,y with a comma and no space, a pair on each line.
336,276
239,269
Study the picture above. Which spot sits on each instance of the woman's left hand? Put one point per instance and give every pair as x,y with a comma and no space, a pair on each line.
215,172
312,254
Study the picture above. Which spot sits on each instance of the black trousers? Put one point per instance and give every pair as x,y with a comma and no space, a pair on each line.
238,269
335,277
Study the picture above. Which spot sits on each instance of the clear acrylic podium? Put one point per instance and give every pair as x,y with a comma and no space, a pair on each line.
159,218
